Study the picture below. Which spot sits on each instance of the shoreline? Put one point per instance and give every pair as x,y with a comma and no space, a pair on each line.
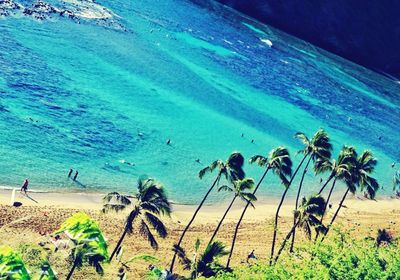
264,209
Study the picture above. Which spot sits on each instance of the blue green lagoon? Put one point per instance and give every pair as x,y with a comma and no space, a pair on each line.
102,91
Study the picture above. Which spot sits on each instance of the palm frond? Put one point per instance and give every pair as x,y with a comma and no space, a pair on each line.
225,188
303,138
145,231
157,224
113,207
183,259
259,159
130,219
115,201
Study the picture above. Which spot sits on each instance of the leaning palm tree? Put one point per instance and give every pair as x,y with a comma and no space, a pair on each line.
361,168
319,147
339,170
280,163
307,218
146,208
241,190
231,169
89,244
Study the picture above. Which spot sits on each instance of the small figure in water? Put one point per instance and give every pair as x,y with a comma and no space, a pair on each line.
252,140
250,256
242,134
393,164
380,137
70,172
169,142
197,160
24,187
76,175
320,180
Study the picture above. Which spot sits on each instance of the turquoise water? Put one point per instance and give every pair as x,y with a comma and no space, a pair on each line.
92,97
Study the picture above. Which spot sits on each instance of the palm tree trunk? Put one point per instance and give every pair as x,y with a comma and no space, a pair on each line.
72,270
222,219
192,219
326,205
292,231
279,208
119,243
297,201
241,218
337,212
326,183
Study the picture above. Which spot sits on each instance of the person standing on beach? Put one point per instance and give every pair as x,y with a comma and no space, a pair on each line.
24,187
76,175
70,172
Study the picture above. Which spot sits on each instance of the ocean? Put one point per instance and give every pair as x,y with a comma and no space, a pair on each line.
104,95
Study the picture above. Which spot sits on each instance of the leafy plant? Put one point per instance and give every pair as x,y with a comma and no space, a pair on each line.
90,246
11,265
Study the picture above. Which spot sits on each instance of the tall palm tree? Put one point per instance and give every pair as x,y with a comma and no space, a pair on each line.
361,168
241,190
146,208
280,163
231,169
89,243
339,170
307,218
319,147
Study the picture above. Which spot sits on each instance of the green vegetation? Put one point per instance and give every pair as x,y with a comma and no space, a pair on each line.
11,265
89,244
340,257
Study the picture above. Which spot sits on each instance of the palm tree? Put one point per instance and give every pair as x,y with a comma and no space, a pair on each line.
361,168
306,218
279,162
207,264
319,147
89,243
240,189
231,169
149,204
339,170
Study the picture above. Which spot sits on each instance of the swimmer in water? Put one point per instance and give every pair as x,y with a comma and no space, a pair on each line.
169,142
70,172
76,175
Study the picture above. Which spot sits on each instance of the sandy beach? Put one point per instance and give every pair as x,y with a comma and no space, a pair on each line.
41,213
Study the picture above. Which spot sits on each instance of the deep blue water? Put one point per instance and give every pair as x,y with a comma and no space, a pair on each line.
89,96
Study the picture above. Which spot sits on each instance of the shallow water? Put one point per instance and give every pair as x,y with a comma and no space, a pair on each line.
79,95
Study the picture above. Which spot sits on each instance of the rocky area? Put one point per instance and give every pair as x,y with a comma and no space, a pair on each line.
76,10
366,32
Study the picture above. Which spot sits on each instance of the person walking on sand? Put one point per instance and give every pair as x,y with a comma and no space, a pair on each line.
70,172
76,175
24,187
